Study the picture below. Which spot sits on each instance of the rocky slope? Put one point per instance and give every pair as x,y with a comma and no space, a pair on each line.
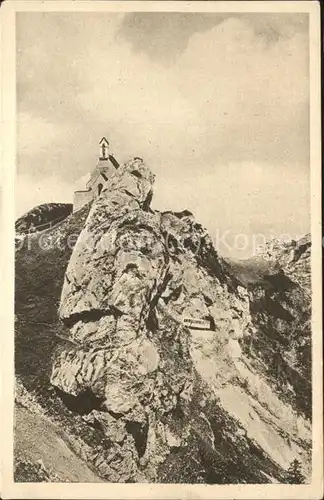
278,283
44,460
292,257
42,215
162,402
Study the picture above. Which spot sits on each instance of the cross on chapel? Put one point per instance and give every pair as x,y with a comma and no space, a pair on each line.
104,149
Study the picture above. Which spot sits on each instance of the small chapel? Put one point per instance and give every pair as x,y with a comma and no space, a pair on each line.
105,168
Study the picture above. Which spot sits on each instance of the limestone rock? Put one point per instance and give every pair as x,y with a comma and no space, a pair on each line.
133,276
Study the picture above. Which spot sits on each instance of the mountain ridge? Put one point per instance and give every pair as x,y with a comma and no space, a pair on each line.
42,216
133,296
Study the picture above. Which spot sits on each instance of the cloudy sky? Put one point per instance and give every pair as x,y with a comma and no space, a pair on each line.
216,104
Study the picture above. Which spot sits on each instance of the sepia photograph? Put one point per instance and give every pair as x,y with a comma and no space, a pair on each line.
162,178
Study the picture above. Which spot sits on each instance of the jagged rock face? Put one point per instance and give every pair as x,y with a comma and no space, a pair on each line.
281,314
293,257
115,277
133,276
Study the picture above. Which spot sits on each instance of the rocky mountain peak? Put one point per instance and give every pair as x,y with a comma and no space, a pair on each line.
157,385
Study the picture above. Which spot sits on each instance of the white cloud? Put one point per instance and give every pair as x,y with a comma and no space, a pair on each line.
30,192
227,81
243,197
80,183
224,128
35,133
